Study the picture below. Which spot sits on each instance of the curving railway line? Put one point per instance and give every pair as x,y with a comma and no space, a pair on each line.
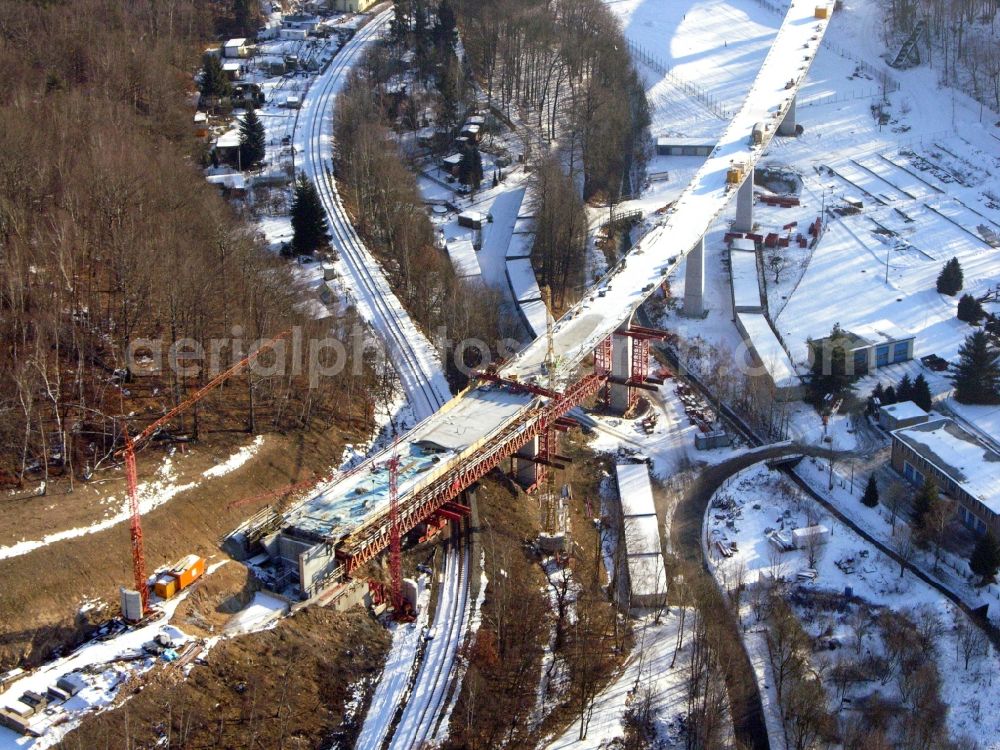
426,389
411,353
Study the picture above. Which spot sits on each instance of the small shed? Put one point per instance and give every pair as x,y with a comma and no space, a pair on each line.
471,132
232,70
673,146
235,48
471,219
904,414
227,146
293,102
200,121
704,441
450,163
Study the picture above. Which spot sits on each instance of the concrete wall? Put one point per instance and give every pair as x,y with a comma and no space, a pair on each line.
315,565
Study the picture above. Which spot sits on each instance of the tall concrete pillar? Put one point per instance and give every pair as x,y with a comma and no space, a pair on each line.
525,471
787,126
744,206
621,370
694,282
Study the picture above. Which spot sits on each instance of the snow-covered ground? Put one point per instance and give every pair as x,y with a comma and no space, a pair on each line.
652,668
109,662
152,494
758,500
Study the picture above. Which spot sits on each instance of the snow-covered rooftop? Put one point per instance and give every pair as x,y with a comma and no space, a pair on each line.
463,257
959,455
635,490
881,332
772,354
536,316
523,284
903,410
746,288
647,574
642,535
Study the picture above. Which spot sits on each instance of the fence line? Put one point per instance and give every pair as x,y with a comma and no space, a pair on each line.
841,97
692,89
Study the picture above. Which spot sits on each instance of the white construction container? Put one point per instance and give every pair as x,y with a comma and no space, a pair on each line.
802,537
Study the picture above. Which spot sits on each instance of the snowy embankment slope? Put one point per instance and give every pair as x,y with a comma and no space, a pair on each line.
152,494
650,668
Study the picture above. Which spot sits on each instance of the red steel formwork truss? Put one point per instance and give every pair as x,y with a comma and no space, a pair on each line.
602,366
365,542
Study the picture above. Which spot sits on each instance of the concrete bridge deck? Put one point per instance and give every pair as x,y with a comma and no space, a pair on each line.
438,450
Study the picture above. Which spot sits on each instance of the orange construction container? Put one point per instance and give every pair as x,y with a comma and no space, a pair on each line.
188,570
822,11
165,587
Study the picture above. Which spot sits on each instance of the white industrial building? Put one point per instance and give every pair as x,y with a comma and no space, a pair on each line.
643,577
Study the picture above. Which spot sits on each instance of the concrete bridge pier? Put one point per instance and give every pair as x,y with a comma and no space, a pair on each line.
620,396
694,282
744,206
787,126
524,470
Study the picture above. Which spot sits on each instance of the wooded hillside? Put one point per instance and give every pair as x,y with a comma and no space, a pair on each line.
108,232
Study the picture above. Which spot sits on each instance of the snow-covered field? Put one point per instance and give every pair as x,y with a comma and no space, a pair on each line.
758,500
152,494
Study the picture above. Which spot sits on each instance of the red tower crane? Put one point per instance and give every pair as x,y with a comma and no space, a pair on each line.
395,542
132,444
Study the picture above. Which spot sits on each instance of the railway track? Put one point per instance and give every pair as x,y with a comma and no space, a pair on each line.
425,709
420,373
411,353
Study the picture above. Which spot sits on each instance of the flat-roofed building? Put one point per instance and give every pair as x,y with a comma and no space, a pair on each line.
961,465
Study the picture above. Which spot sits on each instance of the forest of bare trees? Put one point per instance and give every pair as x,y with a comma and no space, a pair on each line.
960,41
382,195
566,66
108,233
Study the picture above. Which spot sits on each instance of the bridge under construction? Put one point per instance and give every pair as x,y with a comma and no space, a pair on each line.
516,411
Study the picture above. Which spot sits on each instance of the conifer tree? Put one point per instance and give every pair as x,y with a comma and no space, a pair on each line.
970,310
308,219
870,498
904,392
950,279
445,33
976,375
985,558
922,393
889,397
213,80
829,366
924,502
252,140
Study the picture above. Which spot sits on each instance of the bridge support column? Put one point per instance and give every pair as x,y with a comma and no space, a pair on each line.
694,282
744,206
620,396
787,126
524,470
